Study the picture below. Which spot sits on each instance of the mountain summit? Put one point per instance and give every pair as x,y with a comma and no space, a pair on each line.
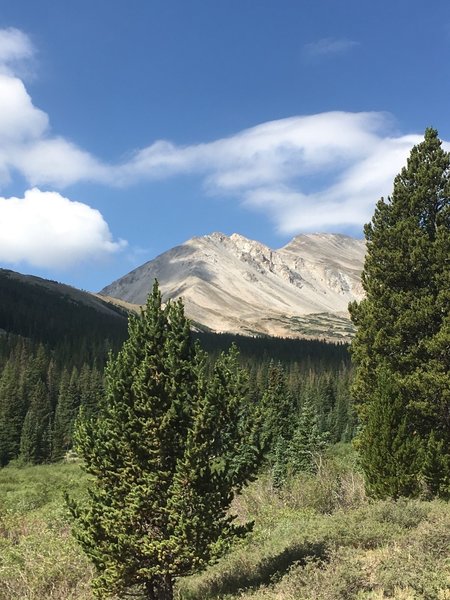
233,284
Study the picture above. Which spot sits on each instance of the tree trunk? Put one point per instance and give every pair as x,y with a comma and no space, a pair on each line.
159,588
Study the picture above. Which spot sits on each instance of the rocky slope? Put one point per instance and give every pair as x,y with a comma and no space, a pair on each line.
231,283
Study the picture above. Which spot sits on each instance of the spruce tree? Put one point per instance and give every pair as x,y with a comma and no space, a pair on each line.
12,412
308,441
35,440
278,406
91,390
65,414
403,331
167,452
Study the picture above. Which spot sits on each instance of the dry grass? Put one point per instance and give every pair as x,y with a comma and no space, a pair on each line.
319,538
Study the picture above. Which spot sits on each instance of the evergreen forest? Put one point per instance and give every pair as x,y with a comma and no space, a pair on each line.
52,360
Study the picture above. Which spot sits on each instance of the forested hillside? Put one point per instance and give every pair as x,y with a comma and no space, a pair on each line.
77,325
53,349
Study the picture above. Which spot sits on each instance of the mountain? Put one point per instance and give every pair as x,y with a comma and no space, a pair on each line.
74,322
233,284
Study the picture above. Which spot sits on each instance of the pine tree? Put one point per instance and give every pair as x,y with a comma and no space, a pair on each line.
12,412
277,405
390,451
65,414
325,402
167,452
308,441
403,326
35,441
343,418
91,390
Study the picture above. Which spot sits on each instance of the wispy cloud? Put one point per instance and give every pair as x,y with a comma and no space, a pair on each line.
326,47
313,172
16,53
15,46
316,172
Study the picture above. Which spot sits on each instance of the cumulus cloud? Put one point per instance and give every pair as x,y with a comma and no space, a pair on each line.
45,229
28,147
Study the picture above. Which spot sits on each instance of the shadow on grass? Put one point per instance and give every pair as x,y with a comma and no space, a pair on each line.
269,570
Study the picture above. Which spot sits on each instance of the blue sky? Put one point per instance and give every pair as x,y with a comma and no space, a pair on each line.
127,128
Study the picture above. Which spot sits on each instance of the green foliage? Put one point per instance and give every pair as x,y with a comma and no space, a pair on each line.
301,416
12,412
35,441
39,401
278,407
38,557
391,457
401,349
308,441
317,537
303,354
66,413
68,334
42,311
344,548
168,451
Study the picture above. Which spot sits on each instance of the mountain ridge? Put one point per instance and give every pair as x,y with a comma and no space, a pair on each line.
237,285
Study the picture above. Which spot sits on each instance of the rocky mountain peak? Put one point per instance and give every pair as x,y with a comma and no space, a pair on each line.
231,283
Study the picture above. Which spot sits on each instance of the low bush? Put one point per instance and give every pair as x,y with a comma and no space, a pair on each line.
318,538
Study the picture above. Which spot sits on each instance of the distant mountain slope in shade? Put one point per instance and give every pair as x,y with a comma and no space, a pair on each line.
237,285
59,315
62,290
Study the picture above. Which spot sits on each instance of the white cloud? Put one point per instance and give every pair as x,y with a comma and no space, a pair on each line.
328,47
26,141
347,199
317,172
20,121
45,229
15,47
267,152
323,171
58,162
28,147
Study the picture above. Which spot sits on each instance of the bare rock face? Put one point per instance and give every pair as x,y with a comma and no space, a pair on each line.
233,284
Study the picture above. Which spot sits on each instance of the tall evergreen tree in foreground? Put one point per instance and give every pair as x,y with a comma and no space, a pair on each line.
402,346
167,453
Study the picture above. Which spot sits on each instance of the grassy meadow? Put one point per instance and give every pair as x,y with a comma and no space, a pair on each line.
318,538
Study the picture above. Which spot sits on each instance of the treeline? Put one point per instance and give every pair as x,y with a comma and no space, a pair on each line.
307,353
302,391
79,327
40,399
301,413
41,396
55,349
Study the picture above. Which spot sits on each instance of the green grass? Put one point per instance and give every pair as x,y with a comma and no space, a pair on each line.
322,539
319,538
39,559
